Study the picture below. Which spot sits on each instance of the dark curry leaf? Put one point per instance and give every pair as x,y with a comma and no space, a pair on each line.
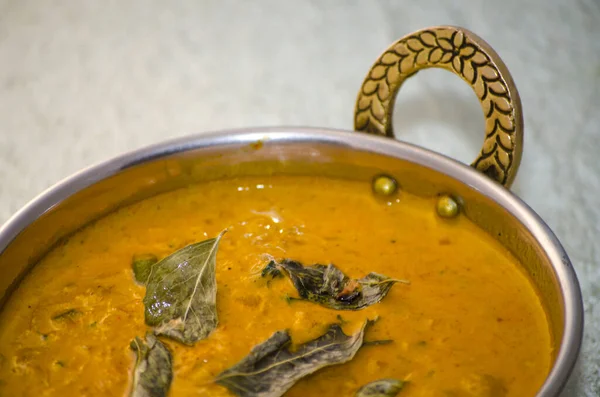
330,287
181,293
141,265
381,388
272,367
272,269
152,374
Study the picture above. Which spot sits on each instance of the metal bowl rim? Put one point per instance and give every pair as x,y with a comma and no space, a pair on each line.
573,332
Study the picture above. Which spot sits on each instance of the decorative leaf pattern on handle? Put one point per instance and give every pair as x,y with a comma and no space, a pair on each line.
467,55
272,368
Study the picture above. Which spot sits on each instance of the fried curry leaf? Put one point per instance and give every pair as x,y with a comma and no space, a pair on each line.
152,374
330,287
141,265
181,293
272,367
381,388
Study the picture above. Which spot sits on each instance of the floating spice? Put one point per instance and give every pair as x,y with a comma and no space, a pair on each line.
330,287
68,315
181,293
153,372
272,367
381,388
480,385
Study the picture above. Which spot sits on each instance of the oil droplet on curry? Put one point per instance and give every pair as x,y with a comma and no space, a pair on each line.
469,323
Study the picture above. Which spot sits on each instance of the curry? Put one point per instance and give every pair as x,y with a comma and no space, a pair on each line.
460,318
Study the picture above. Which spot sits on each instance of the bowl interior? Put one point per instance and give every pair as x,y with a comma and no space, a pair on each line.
94,192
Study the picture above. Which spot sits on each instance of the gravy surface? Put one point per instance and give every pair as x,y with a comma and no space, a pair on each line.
469,324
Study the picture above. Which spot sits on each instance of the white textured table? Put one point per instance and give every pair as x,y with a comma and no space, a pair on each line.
82,81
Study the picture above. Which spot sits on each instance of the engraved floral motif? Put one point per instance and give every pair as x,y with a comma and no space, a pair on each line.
464,54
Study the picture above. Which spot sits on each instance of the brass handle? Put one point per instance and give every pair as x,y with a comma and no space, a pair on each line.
467,55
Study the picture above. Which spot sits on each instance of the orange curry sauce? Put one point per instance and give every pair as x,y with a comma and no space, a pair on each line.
468,324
